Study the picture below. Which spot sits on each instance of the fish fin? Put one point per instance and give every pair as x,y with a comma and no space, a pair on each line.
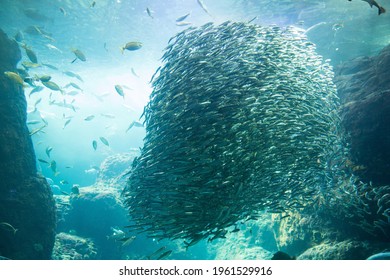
381,10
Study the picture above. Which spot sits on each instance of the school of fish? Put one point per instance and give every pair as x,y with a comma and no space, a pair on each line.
242,118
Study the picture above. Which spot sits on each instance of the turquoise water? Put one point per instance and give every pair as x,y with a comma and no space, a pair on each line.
54,30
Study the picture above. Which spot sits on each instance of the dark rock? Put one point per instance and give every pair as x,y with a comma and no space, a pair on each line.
26,201
364,88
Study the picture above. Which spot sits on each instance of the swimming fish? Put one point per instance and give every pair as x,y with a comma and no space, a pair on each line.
36,130
63,11
73,75
30,54
104,141
149,12
89,118
94,144
203,6
182,17
48,151
79,55
131,46
9,227
52,85
74,85
164,255
66,123
134,124
381,10
183,23
14,77
119,90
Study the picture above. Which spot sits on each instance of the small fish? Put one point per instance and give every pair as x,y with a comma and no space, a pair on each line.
33,122
53,166
104,141
36,89
164,255
64,182
203,6
135,124
133,72
48,151
36,130
156,252
50,66
131,46
73,75
79,55
52,85
93,4
44,78
66,123
63,11
105,46
76,86
43,161
30,54
182,17
183,23
9,227
37,102
381,10
89,118
28,65
14,77
127,240
72,93
149,12
94,144
52,47
119,90
109,116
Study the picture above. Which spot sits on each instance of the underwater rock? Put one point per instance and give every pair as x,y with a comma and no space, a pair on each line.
363,85
73,247
27,209
345,250
93,213
113,169
242,118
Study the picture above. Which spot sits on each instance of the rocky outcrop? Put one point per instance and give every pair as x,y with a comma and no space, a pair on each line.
72,247
345,250
93,213
112,171
27,210
364,88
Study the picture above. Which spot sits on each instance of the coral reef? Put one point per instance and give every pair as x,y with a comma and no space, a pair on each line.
27,208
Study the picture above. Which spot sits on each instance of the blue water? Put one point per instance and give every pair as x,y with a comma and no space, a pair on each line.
341,30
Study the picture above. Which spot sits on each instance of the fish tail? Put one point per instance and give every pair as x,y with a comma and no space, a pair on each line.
381,10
